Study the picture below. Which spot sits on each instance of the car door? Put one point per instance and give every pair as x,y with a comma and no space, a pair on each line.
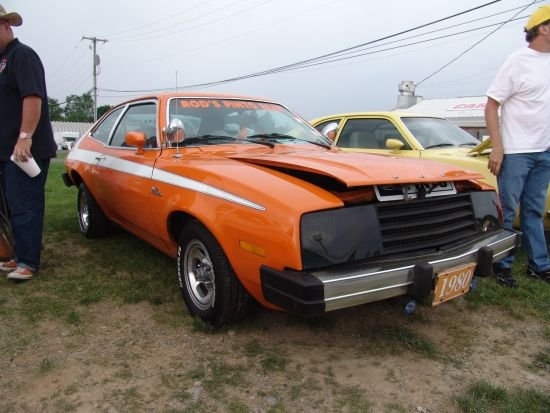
122,181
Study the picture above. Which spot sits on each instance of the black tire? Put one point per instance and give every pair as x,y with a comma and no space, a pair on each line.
210,287
92,221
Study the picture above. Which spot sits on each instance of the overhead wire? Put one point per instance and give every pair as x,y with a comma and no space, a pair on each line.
171,16
469,22
206,14
472,46
323,59
302,62
227,39
64,63
337,56
171,31
82,74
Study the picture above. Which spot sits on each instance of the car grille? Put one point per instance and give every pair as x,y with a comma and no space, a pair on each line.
425,224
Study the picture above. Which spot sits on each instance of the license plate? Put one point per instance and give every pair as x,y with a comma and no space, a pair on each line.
413,191
453,283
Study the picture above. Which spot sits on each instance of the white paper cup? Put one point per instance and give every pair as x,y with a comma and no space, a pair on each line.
30,167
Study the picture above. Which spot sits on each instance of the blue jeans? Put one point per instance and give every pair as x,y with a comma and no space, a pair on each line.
25,199
523,181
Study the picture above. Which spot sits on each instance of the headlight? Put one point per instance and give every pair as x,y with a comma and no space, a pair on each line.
340,235
487,210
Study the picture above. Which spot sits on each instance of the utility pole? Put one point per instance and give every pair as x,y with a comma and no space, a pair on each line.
95,64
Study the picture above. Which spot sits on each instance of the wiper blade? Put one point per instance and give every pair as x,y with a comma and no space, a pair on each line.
439,145
261,139
281,136
273,136
206,139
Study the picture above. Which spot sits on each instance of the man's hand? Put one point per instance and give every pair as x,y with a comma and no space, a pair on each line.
22,150
495,160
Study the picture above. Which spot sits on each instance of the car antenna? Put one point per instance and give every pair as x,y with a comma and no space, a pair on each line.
177,154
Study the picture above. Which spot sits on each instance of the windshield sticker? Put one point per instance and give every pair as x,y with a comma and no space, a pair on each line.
227,104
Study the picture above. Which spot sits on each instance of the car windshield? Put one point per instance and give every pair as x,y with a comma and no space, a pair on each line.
222,121
438,133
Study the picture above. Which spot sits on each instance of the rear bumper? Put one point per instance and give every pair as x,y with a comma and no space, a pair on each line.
66,179
316,292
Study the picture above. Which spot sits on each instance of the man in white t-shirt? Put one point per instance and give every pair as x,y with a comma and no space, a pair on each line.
520,157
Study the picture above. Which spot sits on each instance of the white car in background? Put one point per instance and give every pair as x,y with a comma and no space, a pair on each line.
65,140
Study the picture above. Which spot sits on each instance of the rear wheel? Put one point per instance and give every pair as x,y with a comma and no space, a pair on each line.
209,285
92,221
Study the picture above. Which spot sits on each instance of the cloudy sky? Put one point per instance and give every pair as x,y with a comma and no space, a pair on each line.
339,55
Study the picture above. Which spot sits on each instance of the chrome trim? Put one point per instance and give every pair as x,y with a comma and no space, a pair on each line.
157,175
378,281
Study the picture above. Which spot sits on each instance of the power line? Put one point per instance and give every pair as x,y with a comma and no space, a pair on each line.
323,59
138,38
172,26
474,45
300,63
112,35
64,64
226,38
442,29
337,56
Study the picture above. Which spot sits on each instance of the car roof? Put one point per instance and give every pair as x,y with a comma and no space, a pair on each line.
390,113
198,95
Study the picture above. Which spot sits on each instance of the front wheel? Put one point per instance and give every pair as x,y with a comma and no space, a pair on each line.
208,284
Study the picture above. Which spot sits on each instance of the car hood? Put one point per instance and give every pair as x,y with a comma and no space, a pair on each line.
484,148
457,152
358,169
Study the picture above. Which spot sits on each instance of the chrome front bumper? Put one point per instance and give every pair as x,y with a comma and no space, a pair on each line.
316,292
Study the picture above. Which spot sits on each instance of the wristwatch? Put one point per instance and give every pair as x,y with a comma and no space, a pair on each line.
25,135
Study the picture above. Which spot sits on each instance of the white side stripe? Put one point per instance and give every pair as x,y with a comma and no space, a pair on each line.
156,175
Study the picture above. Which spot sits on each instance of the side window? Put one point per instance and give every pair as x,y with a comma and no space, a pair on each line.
387,131
320,126
368,134
140,117
103,131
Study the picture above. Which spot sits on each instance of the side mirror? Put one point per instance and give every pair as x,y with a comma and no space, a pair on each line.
174,130
135,138
394,144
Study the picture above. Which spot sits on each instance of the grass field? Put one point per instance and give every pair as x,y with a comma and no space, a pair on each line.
103,328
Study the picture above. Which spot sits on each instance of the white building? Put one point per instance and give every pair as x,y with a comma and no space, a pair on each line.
79,127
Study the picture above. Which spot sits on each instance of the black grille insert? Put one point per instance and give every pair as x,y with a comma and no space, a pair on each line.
422,224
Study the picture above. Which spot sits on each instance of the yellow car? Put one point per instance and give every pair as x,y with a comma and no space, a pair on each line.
415,135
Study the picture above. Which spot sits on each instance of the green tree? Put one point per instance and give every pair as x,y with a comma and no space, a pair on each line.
56,111
79,108
102,109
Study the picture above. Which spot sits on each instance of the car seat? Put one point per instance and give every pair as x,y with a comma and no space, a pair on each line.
362,139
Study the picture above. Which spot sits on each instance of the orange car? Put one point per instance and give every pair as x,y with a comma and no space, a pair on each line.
254,204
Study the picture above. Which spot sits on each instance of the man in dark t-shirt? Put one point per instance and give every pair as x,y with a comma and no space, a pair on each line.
25,133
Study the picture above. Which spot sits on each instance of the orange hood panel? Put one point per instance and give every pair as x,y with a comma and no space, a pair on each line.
349,168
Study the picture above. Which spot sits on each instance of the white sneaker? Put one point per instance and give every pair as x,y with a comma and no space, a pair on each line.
20,273
8,265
